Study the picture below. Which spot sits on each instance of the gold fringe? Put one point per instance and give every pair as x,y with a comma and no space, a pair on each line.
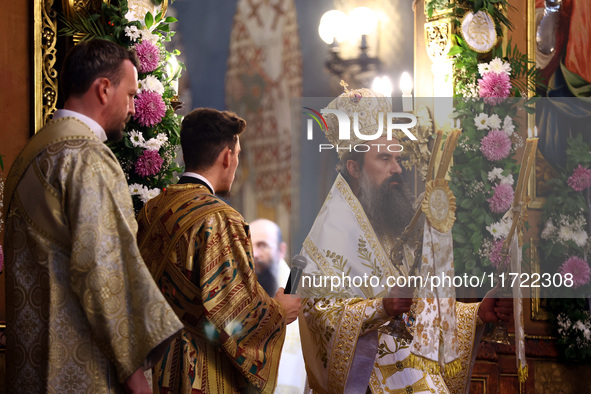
453,368
423,364
522,372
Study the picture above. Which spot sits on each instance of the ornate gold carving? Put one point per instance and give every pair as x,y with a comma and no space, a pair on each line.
437,14
417,153
439,205
45,76
72,8
438,39
479,31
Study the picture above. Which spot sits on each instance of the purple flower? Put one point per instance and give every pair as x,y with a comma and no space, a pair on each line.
496,255
149,108
580,179
494,88
579,268
502,198
148,55
496,145
149,163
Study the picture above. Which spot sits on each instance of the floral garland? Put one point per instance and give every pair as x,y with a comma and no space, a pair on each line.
151,139
484,170
483,174
566,242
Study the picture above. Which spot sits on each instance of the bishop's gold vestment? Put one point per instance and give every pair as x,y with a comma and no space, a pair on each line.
343,349
83,312
199,251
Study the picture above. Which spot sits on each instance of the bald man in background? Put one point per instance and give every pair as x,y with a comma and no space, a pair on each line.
273,272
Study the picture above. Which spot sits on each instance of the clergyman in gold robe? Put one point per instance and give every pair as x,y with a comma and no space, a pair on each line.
83,313
199,251
347,347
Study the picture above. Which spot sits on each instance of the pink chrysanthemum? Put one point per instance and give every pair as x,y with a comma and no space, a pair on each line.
149,163
148,55
579,269
1,259
496,145
494,88
580,179
496,255
502,198
149,108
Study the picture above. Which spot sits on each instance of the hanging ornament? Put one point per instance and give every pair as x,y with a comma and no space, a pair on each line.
478,29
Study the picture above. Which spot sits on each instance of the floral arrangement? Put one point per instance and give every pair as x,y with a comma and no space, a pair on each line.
573,326
566,243
483,174
565,214
148,149
458,8
484,170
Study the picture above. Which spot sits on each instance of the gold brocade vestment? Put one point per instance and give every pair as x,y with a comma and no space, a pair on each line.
198,249
83,312
343,350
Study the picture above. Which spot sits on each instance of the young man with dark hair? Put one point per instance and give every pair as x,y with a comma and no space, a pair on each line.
199,251
83,313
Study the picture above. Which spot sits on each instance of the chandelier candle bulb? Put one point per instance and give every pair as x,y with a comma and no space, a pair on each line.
406,85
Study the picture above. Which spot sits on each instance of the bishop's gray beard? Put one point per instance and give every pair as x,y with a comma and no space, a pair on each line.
388,207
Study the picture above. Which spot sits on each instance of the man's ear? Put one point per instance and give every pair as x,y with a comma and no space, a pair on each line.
225,157
282,250
101,86
353,168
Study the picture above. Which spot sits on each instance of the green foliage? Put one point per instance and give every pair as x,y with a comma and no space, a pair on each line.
524,74
112,25
437,5
469,174
570,319
566,205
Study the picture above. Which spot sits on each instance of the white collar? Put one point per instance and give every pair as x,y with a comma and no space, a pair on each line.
91,123
199,176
